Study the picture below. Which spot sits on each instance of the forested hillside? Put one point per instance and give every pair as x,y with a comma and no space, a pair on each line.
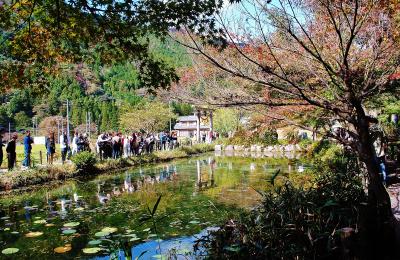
100,89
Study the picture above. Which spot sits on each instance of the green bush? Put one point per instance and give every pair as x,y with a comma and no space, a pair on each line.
84,161
246,138
197,148
270,137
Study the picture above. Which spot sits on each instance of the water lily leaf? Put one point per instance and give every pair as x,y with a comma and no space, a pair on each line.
40,221
102,234
79,209
232,248
133,239
15,232
183,251
71,224
33,234
152,235
109,229
69,231
49,225
62,249
5,218
194,222
146,229
10,250
94,242
91,250
162,257
7,229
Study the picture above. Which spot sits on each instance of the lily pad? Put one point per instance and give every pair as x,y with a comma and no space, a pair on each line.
162,257
10,250
91,250
102,234
109,229
194,222
133,239
33,234
15,232
232,248
40,221
71,224
146,229
50,225
62,249
183,251
69,231
94,242
5,218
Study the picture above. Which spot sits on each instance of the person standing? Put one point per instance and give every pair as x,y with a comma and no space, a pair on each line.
11,154
28,141
50,148
74,143
63,147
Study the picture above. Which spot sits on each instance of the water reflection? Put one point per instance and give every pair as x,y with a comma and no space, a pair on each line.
196,193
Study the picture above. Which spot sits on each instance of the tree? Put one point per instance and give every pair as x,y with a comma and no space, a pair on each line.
330,55
37,36
22,120
226,121
150,117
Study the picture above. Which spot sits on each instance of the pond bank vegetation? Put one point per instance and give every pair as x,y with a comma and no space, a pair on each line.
327,219
86,164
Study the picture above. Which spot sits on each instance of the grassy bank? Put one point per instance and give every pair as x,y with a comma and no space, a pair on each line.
37,149
41,175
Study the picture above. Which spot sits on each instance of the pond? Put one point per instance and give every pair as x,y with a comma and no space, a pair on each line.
112,214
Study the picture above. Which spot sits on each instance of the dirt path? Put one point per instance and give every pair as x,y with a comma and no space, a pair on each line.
394,192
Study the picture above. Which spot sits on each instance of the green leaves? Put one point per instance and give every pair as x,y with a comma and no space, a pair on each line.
10,251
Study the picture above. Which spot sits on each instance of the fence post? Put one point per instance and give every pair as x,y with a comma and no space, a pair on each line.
41,159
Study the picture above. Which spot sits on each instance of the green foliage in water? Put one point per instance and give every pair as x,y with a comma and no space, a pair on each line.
84,161
296,222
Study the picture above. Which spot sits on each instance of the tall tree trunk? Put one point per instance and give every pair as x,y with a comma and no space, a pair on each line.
382,224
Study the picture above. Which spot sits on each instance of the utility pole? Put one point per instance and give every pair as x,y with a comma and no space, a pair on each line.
86,123
170,120
68,121
33,125
58,131
89,124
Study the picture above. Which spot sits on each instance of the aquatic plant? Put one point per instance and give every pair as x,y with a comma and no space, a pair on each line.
297,222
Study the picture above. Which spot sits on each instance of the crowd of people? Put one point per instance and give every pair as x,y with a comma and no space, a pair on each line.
115,145
108,145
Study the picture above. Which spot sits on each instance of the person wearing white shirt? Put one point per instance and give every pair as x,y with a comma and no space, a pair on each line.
63,147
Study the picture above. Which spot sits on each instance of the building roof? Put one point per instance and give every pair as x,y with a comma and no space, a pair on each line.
179,126
187,118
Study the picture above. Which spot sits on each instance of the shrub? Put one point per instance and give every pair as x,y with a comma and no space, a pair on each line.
270,137
84,161
294,222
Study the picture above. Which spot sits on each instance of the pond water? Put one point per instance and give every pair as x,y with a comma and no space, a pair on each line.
110,215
